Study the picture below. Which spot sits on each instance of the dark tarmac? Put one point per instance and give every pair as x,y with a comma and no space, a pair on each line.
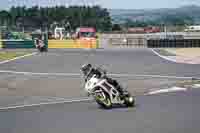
174,112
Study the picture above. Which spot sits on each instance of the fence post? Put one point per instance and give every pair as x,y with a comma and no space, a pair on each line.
46,40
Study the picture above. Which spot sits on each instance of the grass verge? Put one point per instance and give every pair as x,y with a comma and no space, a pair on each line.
187,83
6,55
164,52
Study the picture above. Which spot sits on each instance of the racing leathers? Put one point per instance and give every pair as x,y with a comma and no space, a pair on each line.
102,74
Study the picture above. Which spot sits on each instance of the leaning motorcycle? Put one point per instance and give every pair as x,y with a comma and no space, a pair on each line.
105,94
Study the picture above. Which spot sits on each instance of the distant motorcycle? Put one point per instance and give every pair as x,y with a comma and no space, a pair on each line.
105,94
39,44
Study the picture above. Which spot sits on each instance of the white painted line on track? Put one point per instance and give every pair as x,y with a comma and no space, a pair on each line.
47,98
79,75
173,89
163,57
46,103
196,86
84,99
16,58
153,76
50,98
41,74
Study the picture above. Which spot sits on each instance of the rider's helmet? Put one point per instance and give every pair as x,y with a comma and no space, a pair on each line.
86,68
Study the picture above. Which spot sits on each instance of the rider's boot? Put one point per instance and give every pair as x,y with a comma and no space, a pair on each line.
122,92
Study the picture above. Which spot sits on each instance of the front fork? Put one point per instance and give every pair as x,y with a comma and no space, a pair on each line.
99,94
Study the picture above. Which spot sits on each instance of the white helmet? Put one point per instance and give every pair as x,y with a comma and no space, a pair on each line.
86,69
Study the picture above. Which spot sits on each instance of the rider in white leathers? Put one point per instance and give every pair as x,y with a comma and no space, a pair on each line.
88,71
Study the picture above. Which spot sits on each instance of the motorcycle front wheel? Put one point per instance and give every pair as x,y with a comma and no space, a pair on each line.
104,102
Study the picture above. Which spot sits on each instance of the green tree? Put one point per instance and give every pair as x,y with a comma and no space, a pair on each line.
73,16
116,27
5,18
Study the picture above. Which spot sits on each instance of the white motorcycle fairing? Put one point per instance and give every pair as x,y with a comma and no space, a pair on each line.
94,82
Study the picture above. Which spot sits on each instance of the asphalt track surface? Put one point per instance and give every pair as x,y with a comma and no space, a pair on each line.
134,61
177,112
166,113
115,61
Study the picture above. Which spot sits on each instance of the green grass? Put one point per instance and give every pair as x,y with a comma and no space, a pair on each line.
6,55
164,52
187,83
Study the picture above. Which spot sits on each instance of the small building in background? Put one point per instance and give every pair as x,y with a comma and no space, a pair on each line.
152,29
85,32
59,32
193,28
144,30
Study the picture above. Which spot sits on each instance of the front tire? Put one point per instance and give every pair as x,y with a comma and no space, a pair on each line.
105,103
105,106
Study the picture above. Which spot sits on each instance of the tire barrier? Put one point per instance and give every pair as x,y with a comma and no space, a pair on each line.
15,44
72,43
179,43
31,44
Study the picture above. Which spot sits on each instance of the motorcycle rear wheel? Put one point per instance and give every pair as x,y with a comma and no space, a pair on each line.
129,101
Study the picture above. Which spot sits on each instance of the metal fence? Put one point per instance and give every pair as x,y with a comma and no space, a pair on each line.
127,42
156,40
122,40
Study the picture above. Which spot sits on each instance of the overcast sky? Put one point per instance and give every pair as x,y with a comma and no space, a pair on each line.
122,4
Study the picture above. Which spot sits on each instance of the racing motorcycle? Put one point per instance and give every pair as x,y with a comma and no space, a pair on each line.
105,94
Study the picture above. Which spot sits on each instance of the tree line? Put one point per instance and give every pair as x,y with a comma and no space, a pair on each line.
49,17
168,20
75,16
179,22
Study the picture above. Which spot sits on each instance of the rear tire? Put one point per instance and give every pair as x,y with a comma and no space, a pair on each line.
129,101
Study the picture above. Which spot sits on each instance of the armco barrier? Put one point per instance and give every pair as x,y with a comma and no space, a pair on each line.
14,44
72,43
179,43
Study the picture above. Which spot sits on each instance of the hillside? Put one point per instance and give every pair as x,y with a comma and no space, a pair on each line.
120,15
